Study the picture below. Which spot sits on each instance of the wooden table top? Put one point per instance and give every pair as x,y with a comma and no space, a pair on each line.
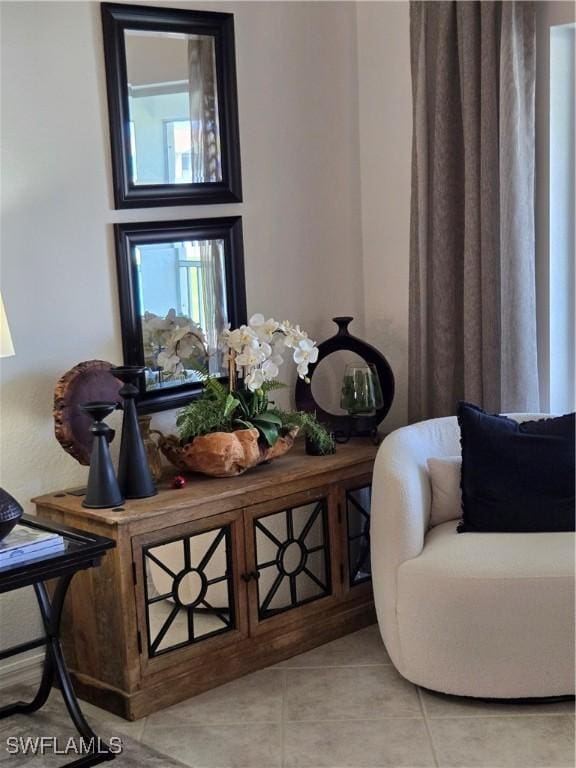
200,488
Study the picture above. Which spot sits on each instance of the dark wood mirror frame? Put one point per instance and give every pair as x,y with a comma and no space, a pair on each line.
229,230
117,18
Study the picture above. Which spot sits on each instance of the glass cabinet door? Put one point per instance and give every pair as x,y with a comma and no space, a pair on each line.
357,507
188,589
292,557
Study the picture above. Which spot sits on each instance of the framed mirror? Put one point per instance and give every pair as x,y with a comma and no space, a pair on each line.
172,102
180,284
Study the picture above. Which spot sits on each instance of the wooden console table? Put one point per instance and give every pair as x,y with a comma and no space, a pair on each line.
218,579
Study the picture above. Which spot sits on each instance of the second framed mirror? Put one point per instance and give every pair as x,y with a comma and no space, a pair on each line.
171,79
180,283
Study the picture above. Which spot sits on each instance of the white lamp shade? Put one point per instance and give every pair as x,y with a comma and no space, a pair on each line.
6,346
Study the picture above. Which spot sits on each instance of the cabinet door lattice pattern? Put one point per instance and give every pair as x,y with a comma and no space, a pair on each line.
188,589
292,557
358,523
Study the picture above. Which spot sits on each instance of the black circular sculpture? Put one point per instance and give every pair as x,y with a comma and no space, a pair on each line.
345,426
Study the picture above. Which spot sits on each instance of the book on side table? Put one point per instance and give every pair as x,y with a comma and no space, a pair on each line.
23,543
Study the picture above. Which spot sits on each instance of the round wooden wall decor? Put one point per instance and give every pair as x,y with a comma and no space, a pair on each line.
343,340
87,381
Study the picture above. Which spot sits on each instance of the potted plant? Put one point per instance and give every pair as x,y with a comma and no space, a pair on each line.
227,430
319,442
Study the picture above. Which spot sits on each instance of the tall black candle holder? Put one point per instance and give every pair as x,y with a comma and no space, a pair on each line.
103,490
134,476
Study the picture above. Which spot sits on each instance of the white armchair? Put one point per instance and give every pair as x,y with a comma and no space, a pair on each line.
476,614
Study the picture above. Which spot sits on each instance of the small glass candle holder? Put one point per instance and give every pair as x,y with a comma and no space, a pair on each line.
361,393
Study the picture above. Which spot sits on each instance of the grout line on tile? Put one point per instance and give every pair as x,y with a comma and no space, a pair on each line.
282,719
144,729
217,724
211,723
335,666
141,732
356,720
500,715
427,726
348,719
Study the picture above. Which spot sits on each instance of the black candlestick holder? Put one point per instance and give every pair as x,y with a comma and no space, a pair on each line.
103,490
134,476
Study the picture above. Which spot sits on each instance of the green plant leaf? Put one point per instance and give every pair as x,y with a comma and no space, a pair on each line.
269,417
246,402
268,431
230,405
242,424
271,386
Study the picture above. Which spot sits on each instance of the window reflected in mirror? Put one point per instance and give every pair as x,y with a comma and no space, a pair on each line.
181,284
182,288
173,108
172,103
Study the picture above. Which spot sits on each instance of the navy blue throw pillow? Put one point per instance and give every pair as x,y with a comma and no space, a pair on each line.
516,476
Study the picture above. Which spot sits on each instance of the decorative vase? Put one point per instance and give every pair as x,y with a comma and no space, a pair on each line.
102,491
134,475
10,513
152,450
224,454
346,426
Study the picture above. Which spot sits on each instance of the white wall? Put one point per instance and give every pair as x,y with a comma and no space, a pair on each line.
385,114
297,84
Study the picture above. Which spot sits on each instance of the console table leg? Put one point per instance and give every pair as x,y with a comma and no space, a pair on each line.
55,670
24,708
51,615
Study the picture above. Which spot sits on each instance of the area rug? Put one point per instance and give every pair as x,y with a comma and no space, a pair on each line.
24,737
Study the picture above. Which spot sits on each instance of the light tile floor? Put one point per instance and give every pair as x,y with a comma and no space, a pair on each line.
343,705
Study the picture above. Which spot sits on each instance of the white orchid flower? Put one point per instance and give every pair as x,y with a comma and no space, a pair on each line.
177,334
269,370
265,329
256,320
154,323
248,358
169,363
305,353
294,335
257,349
190,344
254,380
302,369
265,350
242,337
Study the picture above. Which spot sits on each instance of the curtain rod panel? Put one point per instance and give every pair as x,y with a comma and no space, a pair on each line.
472,272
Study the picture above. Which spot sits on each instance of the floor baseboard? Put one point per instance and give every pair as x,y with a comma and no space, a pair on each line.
26,669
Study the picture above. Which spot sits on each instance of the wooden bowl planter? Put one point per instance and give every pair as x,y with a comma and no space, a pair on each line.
224,454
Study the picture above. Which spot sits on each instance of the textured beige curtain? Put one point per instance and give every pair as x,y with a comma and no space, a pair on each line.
472,288
213,289
205,134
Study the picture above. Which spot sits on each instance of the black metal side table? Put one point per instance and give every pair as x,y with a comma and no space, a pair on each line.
80,551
